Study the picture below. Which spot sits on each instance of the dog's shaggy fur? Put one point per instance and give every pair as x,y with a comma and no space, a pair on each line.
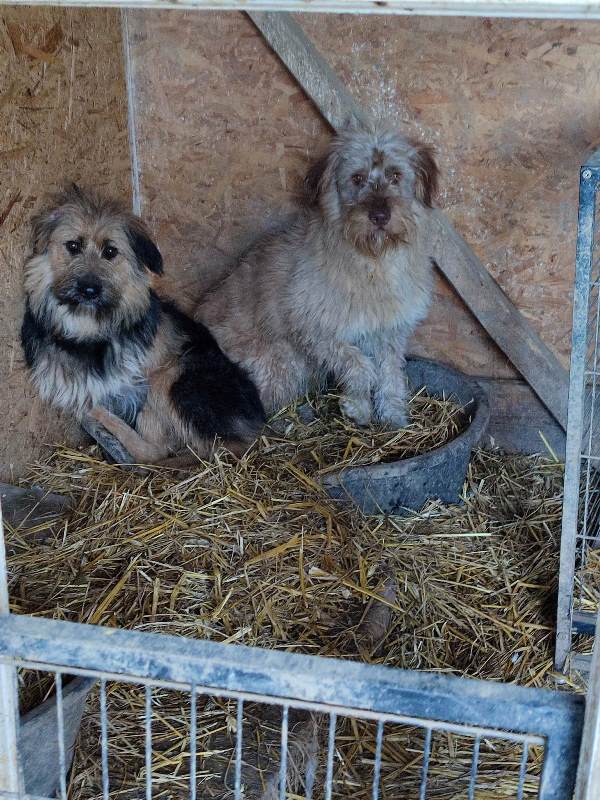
342,287
97,338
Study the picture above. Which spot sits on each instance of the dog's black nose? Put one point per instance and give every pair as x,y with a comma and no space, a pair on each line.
379,216
89,287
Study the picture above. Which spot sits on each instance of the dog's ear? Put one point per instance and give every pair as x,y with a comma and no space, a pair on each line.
42,228
313,181
426,173
146,252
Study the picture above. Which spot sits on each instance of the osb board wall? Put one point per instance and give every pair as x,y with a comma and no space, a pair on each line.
62,118
225,133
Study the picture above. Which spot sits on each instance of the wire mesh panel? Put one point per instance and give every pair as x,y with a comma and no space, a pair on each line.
155,741
580,545
170,718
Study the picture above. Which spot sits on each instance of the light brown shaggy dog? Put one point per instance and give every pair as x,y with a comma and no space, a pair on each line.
340,289
99,341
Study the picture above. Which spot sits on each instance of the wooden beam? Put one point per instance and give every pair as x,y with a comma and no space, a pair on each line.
501,319
455,258
31,507
519,422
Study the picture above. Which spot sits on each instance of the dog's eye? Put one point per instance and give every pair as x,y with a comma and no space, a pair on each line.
396,177
358,179
109,252
73,247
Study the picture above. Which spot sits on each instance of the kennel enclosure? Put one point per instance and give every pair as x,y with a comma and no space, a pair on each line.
432,705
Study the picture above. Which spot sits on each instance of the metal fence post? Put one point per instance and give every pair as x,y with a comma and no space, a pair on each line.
588,185
10,778
588,774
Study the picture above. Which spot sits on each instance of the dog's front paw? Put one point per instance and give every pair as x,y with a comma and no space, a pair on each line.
93,424
358,409
393,415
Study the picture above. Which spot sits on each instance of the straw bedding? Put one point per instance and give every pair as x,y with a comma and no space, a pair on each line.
254,552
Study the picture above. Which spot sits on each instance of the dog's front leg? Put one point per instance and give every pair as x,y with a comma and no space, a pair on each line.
355,373
143,452
391,388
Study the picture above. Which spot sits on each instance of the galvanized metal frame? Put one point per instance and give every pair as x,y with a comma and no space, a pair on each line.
540,9
588,776
10,776
430,701
570,621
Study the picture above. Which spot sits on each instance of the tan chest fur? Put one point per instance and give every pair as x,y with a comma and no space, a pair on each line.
353,298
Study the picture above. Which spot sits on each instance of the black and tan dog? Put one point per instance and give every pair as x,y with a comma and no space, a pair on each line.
100,343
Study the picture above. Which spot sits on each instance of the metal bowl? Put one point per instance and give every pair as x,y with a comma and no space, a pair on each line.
400,487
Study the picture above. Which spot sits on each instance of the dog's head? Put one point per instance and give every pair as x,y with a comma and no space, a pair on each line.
368,182
91,263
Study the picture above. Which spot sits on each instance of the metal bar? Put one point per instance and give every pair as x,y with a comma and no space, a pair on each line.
588,774
401,719
523,771
474,767
583,259
193,741
104,740
238,749
370,691
559,769
60,719
148,732
377,766
136,196
312,764
10,773
425,768
529,9
330,754
23,796
584,622
581,663
284,749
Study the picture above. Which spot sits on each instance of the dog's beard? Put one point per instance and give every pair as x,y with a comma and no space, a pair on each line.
66,315
100,307
372,241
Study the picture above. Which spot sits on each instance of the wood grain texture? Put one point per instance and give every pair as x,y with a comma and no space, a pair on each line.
519,422
63,118
224,135
501,319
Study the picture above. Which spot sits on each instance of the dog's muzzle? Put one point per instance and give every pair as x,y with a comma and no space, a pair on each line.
379,213
85,291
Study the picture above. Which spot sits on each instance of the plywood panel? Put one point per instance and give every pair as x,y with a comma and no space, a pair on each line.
223,137
510,105
63,118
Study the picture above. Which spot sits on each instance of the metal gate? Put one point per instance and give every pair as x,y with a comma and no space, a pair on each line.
580,553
